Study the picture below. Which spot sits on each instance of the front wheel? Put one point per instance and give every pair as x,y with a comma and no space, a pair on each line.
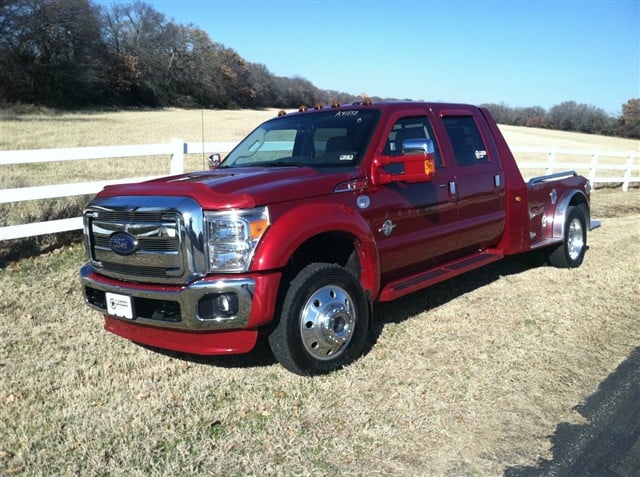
323,323
570,253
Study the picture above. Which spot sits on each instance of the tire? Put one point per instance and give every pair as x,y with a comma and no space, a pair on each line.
570,253
323,323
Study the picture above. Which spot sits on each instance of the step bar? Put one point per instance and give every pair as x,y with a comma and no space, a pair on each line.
439,274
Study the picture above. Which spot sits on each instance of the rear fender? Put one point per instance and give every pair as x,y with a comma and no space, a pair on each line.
298,225
568,199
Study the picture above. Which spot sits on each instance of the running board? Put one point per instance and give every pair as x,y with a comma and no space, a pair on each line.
448,270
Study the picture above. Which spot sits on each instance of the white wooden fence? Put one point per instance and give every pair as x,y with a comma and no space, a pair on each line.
177,148
623,170
176,151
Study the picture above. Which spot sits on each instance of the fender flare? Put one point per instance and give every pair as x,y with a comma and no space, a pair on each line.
293,228
562,209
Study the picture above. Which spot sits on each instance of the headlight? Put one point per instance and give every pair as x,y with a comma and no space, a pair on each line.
232,237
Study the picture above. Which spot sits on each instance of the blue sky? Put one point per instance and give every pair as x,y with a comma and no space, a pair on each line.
521,53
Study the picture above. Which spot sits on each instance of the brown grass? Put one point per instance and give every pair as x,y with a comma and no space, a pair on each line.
35,128
56,130
41,128
470,377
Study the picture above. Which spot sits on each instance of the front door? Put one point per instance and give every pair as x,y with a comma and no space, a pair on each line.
415,222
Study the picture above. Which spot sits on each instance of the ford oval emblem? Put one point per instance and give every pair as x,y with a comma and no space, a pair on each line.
123,243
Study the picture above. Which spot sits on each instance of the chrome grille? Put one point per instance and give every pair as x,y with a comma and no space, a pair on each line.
167,232
156,245
134,272
131,215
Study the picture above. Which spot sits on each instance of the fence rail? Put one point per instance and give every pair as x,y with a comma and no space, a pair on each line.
590,168
177,149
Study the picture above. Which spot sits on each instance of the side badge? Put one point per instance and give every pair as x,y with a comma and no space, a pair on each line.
387,228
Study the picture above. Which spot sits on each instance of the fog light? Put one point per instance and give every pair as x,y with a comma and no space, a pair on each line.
222,305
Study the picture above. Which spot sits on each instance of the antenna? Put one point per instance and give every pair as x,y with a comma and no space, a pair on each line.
202,122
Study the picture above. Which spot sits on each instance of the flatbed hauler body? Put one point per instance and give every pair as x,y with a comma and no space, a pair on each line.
311,219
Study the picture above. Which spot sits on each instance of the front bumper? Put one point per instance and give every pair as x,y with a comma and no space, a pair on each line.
193,307
206,343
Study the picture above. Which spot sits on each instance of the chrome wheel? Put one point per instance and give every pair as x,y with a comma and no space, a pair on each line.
575,239
323,321
570,253
327,322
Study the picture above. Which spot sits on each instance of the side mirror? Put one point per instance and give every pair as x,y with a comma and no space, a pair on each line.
417,160
214,161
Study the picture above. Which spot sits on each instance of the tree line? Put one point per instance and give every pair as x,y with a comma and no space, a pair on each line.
572,116
74,53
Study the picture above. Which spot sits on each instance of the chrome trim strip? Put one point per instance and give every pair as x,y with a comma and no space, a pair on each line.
187,297
557,175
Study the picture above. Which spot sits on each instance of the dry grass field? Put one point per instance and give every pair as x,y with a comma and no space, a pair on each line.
470,377
56,130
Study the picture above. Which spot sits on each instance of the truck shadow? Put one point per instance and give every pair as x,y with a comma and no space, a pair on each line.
404,308
609,444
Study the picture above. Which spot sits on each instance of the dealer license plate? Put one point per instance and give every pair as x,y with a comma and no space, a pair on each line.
119,305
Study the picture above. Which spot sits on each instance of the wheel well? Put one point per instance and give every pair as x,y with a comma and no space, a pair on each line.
579,199
329,247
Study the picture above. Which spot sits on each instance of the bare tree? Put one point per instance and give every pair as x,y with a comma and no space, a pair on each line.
51,52
629,122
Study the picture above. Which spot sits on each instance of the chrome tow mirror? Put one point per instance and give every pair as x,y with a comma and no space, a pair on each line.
417,146
214,160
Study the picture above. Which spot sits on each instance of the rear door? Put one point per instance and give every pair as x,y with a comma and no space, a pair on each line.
479,179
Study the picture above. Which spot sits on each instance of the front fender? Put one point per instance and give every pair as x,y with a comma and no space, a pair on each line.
299,224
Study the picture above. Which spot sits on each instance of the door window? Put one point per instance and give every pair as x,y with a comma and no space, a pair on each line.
410,128
467,143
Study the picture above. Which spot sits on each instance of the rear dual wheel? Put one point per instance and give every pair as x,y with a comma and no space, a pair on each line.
570,253
323,323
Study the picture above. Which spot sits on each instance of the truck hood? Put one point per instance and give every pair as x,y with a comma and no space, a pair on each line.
244,187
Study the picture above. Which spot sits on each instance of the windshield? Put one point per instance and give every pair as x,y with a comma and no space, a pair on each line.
316,139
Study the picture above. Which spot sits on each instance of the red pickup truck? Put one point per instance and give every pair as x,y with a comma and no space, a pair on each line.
313,218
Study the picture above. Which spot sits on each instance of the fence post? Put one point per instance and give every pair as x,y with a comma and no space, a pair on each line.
627,171
177,156
551,160
594,164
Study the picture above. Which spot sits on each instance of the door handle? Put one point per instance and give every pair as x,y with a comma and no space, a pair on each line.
452,188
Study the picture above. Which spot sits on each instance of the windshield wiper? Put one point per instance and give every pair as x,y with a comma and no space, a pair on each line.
281,164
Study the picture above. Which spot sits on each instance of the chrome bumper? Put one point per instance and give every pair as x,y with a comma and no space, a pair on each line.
189,308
